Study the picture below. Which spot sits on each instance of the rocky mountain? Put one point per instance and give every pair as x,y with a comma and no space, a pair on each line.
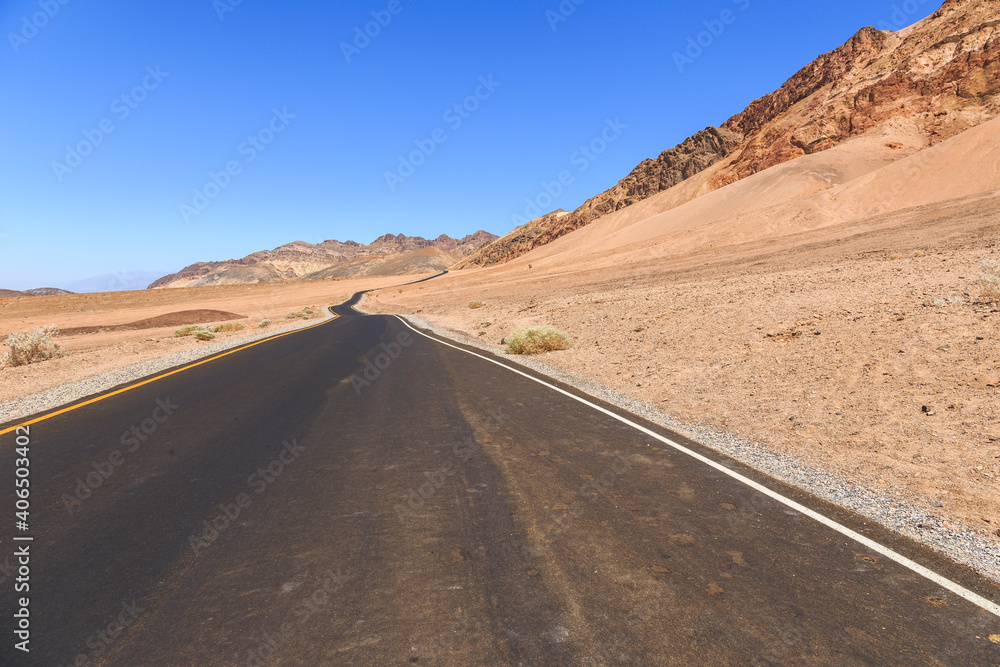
937,78
387,255
696,154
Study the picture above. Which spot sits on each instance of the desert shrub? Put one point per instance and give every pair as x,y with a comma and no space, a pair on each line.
188,330
295,315
989,279
229,326
476,304
308,310
536,340
896,255
30,346
196,330
264,324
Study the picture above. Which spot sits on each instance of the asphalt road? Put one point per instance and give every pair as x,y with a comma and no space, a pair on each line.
359,494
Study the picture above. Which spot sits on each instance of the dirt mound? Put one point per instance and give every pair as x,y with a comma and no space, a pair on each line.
180,318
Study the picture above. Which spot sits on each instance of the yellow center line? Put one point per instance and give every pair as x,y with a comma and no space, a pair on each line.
164,375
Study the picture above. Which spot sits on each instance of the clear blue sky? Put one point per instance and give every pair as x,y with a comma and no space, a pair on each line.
323,174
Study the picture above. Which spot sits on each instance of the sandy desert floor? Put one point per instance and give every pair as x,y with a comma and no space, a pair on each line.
865,350
92,354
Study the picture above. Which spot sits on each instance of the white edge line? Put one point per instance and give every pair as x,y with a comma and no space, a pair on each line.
948,584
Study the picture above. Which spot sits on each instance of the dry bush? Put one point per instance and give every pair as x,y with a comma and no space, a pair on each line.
229,326
300,314
536,340
264,324
196,330
30,346
476,304
989,279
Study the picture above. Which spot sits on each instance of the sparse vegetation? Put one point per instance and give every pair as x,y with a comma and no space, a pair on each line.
537,340
308,310
300,314
989,279
31,346
896,255
476,304
188,330
264,324
196,330
229,326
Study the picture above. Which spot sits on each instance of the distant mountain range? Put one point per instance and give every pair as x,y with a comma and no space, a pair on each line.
387,255
38,291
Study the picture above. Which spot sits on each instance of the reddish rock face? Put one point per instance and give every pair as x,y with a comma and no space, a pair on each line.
942,75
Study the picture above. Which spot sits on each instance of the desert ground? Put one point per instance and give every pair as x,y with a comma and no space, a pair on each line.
94,353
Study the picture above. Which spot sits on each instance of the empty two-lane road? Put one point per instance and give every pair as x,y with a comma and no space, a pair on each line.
358,493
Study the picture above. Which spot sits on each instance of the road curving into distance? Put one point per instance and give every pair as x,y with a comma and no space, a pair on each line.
361,493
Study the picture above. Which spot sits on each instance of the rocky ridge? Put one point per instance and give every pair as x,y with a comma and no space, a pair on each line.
937,78
300,260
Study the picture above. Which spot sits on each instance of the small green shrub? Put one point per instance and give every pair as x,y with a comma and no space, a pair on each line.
31,346
204,334
536,340
229,326
476,304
